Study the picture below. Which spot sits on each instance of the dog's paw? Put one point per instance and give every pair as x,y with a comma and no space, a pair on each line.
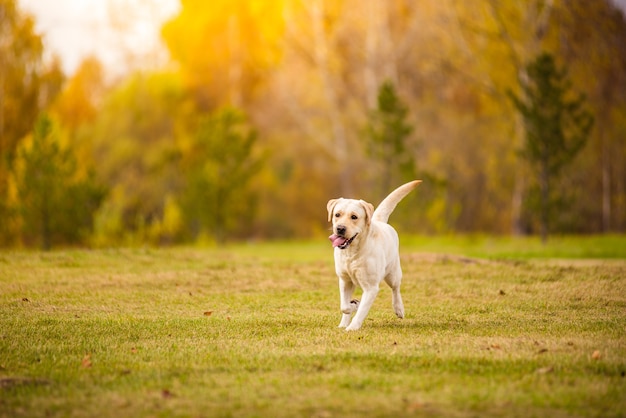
353,327
345,321
352,307
398,308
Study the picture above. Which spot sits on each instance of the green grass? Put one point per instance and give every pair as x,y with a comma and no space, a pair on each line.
114,333
596,246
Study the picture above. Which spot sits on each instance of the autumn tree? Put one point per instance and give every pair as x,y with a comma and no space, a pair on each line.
218,168
557,127
82,95
224,48
56,207
27,85
134,139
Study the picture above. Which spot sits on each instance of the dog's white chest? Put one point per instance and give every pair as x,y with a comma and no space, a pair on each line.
358,270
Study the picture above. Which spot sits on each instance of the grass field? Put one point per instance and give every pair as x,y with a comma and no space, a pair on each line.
494,327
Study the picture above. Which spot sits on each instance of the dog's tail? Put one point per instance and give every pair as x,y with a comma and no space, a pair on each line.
389,203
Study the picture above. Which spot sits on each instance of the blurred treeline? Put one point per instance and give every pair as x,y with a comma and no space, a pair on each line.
270,108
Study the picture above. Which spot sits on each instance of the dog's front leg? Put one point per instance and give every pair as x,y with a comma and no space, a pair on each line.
348,306
369,295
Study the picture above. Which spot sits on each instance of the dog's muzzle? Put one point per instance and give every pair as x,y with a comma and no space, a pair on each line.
341,242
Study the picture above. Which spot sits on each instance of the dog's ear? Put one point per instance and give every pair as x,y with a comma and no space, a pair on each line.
331,207
369,211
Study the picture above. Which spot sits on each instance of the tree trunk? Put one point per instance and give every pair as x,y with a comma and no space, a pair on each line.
46,241
606,180
545,204
517,199
380,58
334,109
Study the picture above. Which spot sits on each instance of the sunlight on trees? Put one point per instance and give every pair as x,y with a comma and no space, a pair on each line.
27,86
268,108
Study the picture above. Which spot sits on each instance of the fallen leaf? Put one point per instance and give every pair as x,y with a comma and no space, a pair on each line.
542,351
208,313
166,393
413,406
133,350
545,370
596,355
86,362
496,346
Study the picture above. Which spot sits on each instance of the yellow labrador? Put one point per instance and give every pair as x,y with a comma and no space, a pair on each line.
366,252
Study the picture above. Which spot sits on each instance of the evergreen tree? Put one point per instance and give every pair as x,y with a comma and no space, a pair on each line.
557,127
27,85
56,206
388,131
218,170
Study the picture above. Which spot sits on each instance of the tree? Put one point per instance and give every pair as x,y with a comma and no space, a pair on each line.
27,85
219,167
557,126
136,138
387,133
590,40
225,48
79,101
55,205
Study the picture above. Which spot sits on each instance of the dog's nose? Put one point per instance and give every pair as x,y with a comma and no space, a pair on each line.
341,230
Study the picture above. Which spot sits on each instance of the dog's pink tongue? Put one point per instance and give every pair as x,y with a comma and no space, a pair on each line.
337,240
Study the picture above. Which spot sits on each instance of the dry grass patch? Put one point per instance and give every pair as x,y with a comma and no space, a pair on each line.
126,333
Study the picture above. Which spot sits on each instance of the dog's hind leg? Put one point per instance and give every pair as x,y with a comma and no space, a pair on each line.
396,301
396,298
367,300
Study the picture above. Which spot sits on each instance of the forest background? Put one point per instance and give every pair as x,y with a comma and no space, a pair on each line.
267,109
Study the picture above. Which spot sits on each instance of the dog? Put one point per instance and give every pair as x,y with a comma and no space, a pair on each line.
366,251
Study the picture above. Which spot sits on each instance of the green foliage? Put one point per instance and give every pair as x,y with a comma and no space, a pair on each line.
217,199
557,127
387,144
27,85
56,207
392,154
137,139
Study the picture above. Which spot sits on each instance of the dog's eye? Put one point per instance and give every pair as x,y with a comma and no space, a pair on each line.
337,215
354,217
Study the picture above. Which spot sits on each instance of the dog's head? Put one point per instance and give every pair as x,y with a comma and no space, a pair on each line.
350,219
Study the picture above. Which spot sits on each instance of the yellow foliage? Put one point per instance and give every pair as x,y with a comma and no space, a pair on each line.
224,46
